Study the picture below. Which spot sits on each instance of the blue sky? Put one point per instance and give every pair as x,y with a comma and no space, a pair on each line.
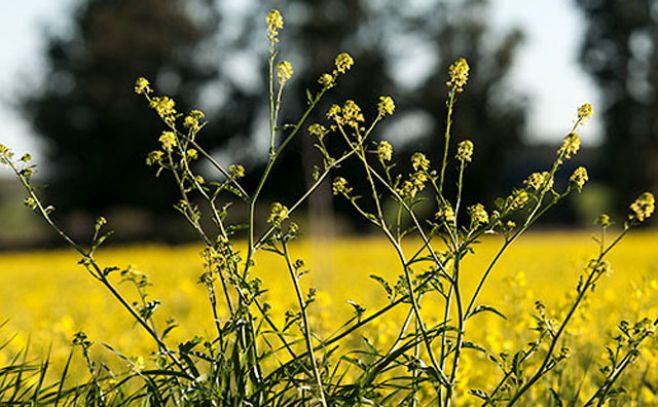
546,69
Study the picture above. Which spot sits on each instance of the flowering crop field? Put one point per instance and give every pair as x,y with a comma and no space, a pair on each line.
47,297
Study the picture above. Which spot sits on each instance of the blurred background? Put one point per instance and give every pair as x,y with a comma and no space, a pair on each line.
68,68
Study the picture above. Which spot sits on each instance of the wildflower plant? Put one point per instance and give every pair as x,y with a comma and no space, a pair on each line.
259,355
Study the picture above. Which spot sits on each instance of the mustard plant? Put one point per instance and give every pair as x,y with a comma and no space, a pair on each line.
255,359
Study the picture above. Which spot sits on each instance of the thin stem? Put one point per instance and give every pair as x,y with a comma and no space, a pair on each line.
270,164
446,147
460,333
306,326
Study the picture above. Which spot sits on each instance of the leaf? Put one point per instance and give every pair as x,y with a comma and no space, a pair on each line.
480,394
385,285
108,270
357,308
487,308
473,345
516,363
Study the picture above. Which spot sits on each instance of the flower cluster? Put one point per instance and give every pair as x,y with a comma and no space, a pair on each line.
350,114
340,186
478,214
411,187
465,151
445,214
154,157
386,106
643,207
344,62
278,213
274,24
579,178
165,107
327,80
5,154
570,146
168,140
517,200
539,181
419,162
384,151
284,72
193,120
236,170
317,130
458,75
584,112
142,86
192,154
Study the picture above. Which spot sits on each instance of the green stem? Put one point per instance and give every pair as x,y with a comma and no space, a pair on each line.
446,147
306,327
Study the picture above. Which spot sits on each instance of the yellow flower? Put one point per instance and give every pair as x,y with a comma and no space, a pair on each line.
165,106
284,72
340,186
517,200
274,24
579,178
344,62
154,157
168,140
384,151
317,130
192,121
445,213
192,154
479,215
585,112
352,115
142,86
334,113
418,179
419,161
570,146
407,190
278,213
236,170
386,106
326,80
539,181
458,75
465,151
643,207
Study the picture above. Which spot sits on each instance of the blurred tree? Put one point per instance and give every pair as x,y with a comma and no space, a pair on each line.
97,131
620,51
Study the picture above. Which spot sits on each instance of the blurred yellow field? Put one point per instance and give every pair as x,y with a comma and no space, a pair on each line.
47,297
